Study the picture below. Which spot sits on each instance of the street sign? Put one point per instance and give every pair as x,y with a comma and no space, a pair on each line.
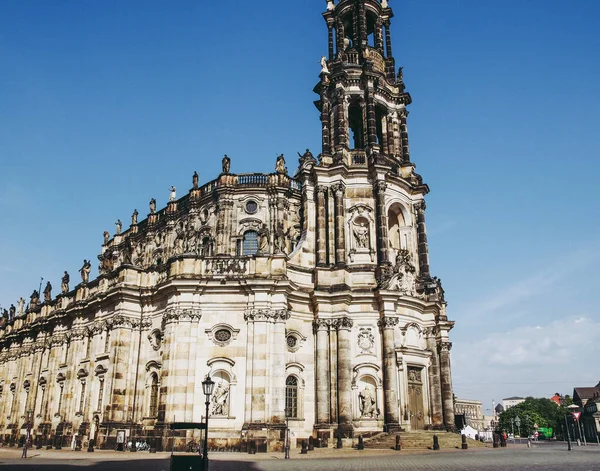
576,415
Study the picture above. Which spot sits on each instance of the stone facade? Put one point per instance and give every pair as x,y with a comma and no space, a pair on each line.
309,291
472,412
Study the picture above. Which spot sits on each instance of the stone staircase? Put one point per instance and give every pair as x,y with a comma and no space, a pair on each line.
418,440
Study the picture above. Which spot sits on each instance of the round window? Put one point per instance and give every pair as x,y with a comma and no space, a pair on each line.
251,207
292,341
222,335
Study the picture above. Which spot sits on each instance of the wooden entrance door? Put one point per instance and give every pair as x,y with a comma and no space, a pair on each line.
415,398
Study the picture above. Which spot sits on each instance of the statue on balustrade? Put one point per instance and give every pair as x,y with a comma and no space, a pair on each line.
226,164
12,310
152,206
64,283
280,165
195,180
48,293
134,217
85,271
21,307
34,299
119,225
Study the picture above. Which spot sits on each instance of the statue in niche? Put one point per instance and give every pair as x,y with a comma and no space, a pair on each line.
367,403
220,400
21,307
226,164
152,206
195,180
263,240
293,234
64,283
48,293
324,68
280,165
173,195
119,226
106,237
134,217
280,238
361,235
85,271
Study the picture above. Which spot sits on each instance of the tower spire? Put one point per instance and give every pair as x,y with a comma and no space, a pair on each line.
362,100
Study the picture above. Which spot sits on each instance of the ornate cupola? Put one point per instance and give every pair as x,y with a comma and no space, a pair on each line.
362,99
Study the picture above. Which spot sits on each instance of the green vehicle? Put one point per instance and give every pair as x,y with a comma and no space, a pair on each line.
545,433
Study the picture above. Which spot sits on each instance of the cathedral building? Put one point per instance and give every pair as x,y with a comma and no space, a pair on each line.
306,295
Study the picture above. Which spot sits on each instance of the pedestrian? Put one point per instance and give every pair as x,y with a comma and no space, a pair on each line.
25,446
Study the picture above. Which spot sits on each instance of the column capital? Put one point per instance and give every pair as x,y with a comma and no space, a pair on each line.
322,325
387,322
380,187
445,347
321,190
266,315
338,189
345,323
420,206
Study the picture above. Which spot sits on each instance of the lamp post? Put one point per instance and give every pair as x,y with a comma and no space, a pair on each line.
207,387
518,424
512,426
288,412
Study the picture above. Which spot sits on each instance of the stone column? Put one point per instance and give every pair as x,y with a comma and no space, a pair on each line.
341,133
446,380
321,329
435,386
321,227
340,233
379,35
382,230
404,136
362,20
371,117
422,241
340,38
388,39
344,333
277,367
390,383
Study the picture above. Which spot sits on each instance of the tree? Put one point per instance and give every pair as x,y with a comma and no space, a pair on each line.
541,412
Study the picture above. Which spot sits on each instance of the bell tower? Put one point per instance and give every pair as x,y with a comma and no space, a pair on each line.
362,98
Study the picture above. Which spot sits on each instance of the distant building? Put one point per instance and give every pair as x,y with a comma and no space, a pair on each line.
472,412
582,395
512,401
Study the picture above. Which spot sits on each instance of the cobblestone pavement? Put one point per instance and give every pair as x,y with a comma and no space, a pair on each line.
546,457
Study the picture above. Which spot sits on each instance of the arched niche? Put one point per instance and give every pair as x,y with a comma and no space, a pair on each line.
400,231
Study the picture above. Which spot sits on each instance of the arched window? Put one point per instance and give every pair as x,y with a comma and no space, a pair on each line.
153,408
250,243
291,396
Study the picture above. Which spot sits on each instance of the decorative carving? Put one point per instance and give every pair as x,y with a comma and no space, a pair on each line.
387,322
366,340
222,334
155,338
171,315
401,277
262,315
226,266
445,347
414,375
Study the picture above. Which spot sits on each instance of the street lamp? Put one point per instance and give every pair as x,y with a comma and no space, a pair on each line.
518,424
207,387
288,412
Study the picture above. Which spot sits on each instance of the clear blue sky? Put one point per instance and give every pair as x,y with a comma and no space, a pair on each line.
105,105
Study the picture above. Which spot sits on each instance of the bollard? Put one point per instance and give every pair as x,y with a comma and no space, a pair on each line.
91,446
252,447
436,443
464,444
529,443
339,443
361,443
496,439
397,447
311,443
304,450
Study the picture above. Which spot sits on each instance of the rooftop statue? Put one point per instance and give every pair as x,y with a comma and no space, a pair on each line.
12,311
106,237
195,180
64,283
34,299
119,225
134,217
21,308
173,196
85,271
384,4
48,293
324,68
280,165
152,206
226,163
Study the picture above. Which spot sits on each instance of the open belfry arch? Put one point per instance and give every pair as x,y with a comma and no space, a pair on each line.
309,290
